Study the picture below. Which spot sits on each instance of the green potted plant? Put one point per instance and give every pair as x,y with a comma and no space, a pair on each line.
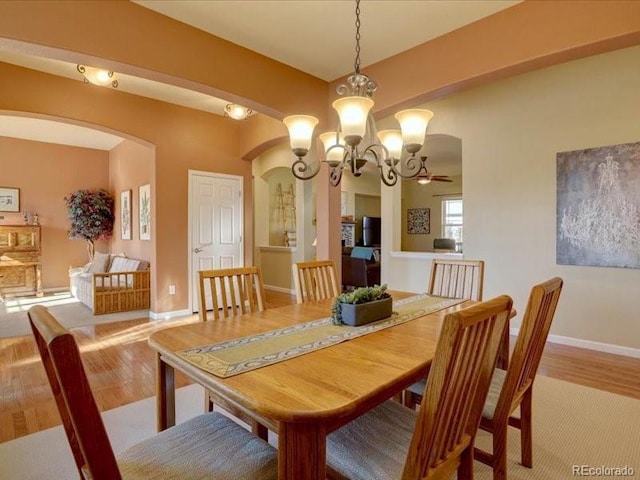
362,305
90,212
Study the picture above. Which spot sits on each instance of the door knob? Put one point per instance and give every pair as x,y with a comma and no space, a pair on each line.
197,250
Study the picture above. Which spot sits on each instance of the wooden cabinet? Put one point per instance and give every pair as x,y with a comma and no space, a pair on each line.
20,267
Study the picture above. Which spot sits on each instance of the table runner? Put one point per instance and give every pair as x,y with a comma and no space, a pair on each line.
232,357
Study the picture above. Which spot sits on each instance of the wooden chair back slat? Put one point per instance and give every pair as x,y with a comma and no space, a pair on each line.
457,387
315,280
457,278
80,415
530,343
241,290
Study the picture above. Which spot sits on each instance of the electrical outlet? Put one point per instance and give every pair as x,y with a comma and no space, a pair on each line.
172,289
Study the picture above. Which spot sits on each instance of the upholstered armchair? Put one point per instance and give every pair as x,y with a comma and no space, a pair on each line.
359,272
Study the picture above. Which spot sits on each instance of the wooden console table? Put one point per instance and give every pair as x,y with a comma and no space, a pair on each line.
20,264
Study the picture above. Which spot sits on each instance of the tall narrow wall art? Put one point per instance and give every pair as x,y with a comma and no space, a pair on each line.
144,210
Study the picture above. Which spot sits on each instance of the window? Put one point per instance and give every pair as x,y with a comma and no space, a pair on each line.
452,220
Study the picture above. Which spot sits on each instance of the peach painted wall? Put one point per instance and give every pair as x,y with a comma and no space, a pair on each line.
131,165
45,173
184,139
141,42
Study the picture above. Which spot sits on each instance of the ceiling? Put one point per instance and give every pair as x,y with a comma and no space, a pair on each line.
315,36
318,36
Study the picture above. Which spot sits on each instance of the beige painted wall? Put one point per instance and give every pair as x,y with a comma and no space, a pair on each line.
511,132
45,173
269,168
281,181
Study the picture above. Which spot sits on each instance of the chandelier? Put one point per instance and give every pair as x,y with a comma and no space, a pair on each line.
355,145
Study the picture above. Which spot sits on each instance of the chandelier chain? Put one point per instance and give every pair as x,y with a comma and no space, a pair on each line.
356,63
354,145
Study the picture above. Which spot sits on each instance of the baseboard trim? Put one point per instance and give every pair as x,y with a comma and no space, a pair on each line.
279,289
590,345
169,315
55,289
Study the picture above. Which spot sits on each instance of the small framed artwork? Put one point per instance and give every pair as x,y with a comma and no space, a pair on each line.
125,215
144,211
418,221
9,199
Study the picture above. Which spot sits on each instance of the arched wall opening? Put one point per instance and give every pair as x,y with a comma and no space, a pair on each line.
48,166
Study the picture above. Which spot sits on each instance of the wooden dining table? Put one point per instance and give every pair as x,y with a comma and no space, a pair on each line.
308,396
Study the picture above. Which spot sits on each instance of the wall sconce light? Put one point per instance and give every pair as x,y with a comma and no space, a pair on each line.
98,76
237,112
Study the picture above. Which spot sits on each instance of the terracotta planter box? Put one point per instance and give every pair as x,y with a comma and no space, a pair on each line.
363,313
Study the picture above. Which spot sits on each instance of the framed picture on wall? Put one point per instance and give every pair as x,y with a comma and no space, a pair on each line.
418,221
144,211
125,215
9,199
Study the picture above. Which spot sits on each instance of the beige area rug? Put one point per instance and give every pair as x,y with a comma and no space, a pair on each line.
62,305
573,426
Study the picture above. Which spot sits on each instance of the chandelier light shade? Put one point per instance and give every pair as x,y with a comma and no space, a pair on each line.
237,112
413,124
353,113
98,76
301,129
392,140
345,149
332,147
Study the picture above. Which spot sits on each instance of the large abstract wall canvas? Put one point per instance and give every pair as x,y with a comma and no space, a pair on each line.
598,207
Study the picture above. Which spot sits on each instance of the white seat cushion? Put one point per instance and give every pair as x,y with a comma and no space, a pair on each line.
123,264
99,263
209,446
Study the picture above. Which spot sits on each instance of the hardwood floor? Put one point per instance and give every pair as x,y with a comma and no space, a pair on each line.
121,366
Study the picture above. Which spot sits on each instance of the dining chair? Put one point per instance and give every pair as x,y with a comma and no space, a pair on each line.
208,446
315,280
513,388
449,278
234,291
439,439
456,278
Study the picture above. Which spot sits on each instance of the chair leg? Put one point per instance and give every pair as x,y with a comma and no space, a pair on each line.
260,430
410,399
526,439
208,402
499,453
465,469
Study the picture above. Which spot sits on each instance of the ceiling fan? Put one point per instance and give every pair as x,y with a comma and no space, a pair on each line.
426,177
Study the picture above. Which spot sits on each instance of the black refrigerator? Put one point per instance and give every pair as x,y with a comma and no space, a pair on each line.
371,231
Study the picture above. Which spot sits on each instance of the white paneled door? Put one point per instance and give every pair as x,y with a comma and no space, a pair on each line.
216,225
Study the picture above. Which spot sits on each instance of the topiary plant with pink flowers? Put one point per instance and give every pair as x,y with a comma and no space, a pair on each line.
90,212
